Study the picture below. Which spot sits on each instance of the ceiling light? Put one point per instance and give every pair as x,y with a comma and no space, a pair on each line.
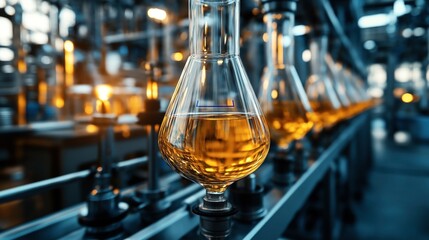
419,31
369,45
300,30
407,33
376,20
157,14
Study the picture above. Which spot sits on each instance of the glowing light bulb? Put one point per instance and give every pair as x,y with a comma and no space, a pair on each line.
68,46
103,93
152,90
69,62
157,14
407,98
177,56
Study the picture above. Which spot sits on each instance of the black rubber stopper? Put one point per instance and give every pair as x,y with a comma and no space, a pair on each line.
284,170
250,203
215,223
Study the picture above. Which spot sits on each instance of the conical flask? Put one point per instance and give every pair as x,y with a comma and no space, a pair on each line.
214,132
339,87
351,90
282,95
365,100
319,88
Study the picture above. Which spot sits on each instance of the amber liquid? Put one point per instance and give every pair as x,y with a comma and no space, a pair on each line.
214,149
326,116
288,121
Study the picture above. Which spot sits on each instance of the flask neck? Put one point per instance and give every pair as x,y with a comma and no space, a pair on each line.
318,48
214,28
280,39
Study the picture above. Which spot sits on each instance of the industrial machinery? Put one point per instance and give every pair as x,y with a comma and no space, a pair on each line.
92,100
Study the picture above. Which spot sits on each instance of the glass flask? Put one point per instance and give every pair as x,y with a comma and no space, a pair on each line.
214,132
339,86
365,100
351,90
319,88
282,95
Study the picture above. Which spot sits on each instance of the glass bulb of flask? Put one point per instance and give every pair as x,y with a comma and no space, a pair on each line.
282,95
214,132
319,88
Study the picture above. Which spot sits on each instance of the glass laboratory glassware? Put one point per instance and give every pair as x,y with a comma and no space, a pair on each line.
282,95
365,100
320,91
339,86
351,90
214,132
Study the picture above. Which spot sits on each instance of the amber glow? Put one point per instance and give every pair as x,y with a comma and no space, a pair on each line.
407,98
68,46
43,91
274,94
126,133
88,109
280,51
22,66
152,90
21,107
69,62
59,102
177,56
91,128
135,104
103,92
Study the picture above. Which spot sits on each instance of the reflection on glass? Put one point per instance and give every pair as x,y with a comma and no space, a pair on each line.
214,132
282,95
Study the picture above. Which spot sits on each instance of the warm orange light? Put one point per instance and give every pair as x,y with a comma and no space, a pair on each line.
398,92
22,66
135,104
91,128
103,92
407,98
274,94
43,91
68,46
59,102
21,107
126,131
88,109
152,90
177,56
69,62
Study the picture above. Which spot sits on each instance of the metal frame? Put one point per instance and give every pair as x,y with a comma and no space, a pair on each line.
282,204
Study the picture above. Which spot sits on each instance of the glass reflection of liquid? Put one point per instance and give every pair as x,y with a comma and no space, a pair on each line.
288,122
214,150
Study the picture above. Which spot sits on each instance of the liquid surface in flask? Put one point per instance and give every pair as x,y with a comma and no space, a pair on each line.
325,116
287,122
214,149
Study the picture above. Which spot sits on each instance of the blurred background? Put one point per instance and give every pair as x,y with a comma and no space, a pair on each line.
54,53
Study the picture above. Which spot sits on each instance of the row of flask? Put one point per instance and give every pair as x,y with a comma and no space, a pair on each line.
331,94
214,131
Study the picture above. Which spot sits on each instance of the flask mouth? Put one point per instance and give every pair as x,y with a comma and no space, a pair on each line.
215,1
269,6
